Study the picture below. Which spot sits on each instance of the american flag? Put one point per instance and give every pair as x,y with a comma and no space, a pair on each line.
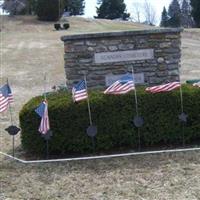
196,84
164,88
79,91
121,86
42,111
6,97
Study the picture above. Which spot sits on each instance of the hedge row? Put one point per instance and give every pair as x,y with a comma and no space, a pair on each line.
113,115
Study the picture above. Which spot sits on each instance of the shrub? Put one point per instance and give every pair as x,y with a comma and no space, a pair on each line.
113,116
57,26
66,26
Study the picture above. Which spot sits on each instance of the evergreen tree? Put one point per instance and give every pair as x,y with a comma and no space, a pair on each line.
99,2
186,18
174,8
196,11
164,18
14,7
112,9
31,7
48,10
174,13
75,7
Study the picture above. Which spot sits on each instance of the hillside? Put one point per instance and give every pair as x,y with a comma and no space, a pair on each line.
31,48
77,25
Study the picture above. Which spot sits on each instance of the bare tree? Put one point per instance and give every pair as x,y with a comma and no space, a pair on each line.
143,13
149,13
14,6
137,11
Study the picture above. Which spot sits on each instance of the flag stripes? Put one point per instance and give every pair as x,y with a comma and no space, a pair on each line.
42,111
117,88
80,95
44,125
79,91
6,97
163,88
196,84
122,86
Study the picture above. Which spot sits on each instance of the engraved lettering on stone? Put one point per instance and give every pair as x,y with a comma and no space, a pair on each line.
120,56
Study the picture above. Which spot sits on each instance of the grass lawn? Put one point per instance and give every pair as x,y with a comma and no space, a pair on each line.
31,48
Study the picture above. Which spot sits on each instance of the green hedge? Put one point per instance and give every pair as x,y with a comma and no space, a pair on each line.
113,115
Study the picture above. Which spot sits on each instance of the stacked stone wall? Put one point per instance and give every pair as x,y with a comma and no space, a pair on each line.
82,52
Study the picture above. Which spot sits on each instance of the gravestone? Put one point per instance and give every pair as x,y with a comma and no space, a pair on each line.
105,57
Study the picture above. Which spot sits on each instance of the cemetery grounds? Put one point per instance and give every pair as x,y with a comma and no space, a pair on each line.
30,49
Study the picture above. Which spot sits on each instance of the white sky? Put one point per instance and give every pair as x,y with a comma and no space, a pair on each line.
0,8
90,6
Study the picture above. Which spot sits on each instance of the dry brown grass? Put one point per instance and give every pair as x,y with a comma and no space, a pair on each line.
31,48
190,54
161,177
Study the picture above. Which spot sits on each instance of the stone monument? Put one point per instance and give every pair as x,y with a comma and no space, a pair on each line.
105,57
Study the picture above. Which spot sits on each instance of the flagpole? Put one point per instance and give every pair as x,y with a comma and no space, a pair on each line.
10,109
11,120
47,149
181,94
45,99
136,107
182,111
89,111
135,91
45,82
1,48
181,97
1,66
88,101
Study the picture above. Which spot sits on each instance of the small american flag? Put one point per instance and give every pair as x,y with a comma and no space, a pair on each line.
79,91
42,111
196,84
164,88
122,86
6,97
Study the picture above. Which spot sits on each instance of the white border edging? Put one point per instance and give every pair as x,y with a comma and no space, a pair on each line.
99,157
